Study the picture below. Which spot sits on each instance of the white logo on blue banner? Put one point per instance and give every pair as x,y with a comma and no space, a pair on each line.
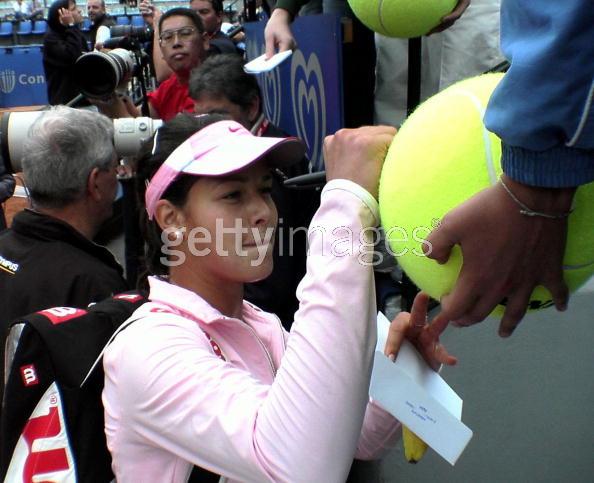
7,80
270,85
272,96
309,104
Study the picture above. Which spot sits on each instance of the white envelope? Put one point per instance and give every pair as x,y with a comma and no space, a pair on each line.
260,64
418,397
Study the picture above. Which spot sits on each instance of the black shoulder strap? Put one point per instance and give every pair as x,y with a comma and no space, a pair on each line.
74,337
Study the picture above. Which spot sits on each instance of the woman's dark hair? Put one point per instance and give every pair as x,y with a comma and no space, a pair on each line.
217,5
223,76
168,137
53,14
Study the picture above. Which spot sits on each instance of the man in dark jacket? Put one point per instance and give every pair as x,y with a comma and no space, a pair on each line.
47,257
211,13
63,43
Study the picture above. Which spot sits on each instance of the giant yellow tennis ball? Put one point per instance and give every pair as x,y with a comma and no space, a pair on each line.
442,156
401,18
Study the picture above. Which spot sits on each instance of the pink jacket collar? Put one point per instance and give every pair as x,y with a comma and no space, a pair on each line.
189,304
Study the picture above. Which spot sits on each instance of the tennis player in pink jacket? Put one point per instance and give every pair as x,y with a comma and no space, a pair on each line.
203,378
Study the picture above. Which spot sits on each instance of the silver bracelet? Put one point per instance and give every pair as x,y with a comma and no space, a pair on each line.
528,212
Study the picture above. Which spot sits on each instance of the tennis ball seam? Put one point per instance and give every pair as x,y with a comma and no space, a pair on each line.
380,17
578,267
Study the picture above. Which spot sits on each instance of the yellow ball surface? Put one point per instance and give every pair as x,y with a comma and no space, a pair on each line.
401,18
442,156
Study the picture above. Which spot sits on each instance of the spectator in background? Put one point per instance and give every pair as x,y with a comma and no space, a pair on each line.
211,13
212,18
38,10
22,9
220,86
100,23
183,44
63,43
48,256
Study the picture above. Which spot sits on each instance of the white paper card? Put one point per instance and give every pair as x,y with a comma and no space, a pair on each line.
260,64
418,397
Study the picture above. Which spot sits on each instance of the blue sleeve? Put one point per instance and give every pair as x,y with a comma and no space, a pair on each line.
543,108
7,186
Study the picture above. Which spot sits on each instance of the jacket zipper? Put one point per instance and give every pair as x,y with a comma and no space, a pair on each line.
268,356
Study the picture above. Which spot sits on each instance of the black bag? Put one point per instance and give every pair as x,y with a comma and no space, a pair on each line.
51,423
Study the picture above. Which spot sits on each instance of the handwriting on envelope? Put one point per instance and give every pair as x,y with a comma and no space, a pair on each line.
419,397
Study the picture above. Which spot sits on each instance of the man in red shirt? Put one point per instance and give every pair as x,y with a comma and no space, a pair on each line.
183,43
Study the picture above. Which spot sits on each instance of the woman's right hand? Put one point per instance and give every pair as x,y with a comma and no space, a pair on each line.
358,155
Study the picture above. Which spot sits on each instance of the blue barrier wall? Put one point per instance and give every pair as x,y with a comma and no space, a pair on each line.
22,80
304,95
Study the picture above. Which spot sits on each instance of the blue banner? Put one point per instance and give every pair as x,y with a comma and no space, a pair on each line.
22,80
304,95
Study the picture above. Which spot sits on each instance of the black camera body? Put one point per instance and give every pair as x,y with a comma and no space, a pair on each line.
128,37
99,74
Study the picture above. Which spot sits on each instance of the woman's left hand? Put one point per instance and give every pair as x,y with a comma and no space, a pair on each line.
424,335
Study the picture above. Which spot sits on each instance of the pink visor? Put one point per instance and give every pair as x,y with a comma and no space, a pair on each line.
218,149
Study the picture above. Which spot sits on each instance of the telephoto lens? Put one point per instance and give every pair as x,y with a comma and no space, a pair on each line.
98,74
139,33
129,134
129,37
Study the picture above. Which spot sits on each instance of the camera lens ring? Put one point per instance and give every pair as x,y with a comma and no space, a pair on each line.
98,74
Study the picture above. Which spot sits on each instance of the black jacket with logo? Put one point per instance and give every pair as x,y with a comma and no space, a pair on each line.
44,262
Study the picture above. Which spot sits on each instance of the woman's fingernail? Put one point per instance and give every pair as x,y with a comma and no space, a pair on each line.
392,357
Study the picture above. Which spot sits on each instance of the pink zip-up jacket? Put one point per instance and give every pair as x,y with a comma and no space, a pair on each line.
279,407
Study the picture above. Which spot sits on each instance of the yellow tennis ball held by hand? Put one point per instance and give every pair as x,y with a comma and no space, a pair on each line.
401,18
442,156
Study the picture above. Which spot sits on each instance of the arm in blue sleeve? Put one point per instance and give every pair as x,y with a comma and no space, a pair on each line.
7,186
543,108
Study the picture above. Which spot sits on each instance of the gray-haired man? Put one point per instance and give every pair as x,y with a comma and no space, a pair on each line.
47,257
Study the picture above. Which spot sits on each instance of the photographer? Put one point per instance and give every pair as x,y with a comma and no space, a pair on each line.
63,44
48,256
211,14
100,23
22,9
184,44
